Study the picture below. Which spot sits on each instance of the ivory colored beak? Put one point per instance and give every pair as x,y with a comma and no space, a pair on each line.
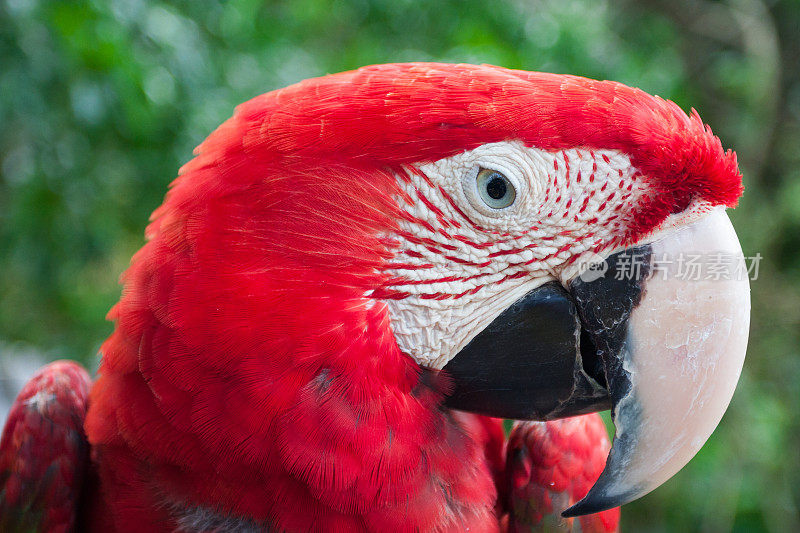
679,361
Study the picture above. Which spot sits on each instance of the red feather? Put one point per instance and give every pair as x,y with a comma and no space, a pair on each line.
552,465
44,453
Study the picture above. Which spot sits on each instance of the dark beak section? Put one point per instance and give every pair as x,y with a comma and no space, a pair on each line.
605,307
551,354
502,373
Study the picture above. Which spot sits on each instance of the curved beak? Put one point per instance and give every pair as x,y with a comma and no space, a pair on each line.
659,336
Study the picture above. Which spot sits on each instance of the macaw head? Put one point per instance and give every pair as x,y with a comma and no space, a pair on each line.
524,236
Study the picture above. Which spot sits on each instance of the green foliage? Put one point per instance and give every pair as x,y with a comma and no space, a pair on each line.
101,102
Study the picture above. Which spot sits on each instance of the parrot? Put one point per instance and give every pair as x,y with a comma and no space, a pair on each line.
358,277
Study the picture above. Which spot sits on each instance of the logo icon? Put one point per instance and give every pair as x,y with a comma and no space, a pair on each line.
591,267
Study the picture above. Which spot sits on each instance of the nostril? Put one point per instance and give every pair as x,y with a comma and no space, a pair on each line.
592,364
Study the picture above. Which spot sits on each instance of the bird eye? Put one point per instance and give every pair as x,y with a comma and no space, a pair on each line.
495,189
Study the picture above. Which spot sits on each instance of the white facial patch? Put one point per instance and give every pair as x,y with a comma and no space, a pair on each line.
461,262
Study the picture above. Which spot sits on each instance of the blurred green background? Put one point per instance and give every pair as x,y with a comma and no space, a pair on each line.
101,102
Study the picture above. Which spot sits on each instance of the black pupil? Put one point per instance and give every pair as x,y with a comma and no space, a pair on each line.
496,188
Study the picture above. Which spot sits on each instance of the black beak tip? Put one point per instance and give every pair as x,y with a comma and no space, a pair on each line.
598,501
589,505
581,508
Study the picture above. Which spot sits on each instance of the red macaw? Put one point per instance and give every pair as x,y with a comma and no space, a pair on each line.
357,272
